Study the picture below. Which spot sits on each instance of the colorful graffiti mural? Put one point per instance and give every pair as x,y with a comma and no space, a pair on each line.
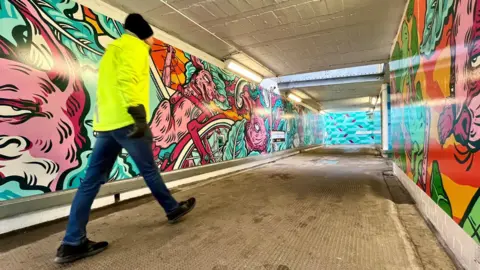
358,127
300,125
435,104
49,55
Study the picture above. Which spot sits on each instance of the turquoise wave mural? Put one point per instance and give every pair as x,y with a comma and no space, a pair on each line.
353,128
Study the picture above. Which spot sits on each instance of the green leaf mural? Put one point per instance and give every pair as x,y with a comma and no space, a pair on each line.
436,16
282,126
438,194
416,161
405,36
112,27
236,146
403,55
418,91
406,56
397,53
414,48
471,220
414,45
226,75
407,62
190,69
403,156
410,9
282,146
75,34
268,130
395,65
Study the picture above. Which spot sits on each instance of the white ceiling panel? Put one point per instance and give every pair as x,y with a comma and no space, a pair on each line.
343,91
353,104
285,36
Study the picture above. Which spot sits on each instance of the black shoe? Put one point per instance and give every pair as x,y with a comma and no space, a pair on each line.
184,208
67,253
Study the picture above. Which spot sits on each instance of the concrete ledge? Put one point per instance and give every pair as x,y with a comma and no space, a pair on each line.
461,245
25,212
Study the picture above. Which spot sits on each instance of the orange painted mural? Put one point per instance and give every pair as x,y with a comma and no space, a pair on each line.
435,91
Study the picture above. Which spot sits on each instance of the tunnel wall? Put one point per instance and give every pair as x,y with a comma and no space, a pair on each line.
49,55
359,127
436,113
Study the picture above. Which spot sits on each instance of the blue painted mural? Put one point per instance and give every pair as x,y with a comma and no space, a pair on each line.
353,128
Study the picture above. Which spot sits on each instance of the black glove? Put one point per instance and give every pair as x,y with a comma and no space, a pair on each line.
140,116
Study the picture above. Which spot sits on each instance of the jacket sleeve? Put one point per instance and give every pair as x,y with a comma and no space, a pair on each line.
128,75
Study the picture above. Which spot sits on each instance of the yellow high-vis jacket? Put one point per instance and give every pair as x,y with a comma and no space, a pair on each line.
124,78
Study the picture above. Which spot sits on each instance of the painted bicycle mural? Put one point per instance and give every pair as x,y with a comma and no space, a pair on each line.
49,55
435,104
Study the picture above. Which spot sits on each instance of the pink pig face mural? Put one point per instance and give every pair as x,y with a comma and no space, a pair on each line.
41,105
462,116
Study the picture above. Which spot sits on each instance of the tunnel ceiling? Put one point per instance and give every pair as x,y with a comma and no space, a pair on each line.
341,96
343,91
285,36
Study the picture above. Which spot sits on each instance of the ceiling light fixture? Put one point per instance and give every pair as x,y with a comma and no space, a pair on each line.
294,98
242,71
235,49
373,100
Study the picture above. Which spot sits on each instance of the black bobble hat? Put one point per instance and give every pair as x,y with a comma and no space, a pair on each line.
136,24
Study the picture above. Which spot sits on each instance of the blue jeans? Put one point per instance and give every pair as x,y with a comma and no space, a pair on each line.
107,147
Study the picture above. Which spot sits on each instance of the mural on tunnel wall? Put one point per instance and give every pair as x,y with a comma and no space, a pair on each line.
49,55
436,107
300,125
359,127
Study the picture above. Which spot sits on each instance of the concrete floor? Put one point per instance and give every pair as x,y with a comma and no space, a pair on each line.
324,209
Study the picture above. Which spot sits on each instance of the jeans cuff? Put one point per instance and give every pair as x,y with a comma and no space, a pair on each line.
173,209
74,243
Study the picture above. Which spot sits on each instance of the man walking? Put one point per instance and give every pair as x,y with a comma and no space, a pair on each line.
120,121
